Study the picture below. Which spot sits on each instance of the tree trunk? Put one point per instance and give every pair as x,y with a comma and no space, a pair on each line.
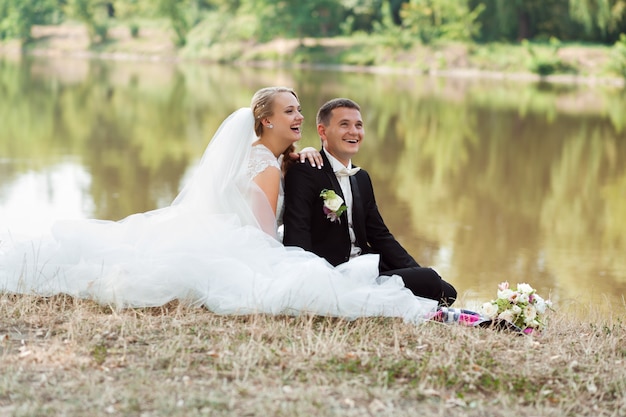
523,25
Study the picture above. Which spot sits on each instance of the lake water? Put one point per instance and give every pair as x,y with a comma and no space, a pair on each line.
484,180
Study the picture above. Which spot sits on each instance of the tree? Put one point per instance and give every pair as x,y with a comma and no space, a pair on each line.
177,13
394,8
607,18
18,16
294,18
94,14
364,14
441,19
515,20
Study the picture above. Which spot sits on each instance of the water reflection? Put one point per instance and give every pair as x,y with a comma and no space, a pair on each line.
485,181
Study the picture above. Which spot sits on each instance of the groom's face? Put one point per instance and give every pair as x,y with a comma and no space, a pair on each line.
344,133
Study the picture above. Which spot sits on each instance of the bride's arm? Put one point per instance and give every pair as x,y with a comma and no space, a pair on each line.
269,182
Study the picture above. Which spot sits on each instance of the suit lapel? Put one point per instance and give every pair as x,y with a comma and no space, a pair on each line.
328,170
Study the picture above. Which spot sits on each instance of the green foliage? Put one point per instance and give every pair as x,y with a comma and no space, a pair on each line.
220,36
400,22
134,30
180,15
312,54
395,36
392,34
363,15
604,17
18,16
514,20
362,56
618,56
432,20
545,61
99,353
131,9
82,10
93,14
296,18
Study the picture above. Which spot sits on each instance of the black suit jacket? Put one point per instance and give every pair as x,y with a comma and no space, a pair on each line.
306,224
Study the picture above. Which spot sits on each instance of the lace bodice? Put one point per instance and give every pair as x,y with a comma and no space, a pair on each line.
260,159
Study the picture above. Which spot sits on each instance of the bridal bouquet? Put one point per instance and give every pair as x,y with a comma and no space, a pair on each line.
521,306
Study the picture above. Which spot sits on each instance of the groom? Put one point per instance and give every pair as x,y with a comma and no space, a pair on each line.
314,220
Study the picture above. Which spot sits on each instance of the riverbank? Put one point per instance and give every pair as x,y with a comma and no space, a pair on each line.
580,64
64,356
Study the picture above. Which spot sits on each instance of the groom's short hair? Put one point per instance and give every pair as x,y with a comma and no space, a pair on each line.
324,113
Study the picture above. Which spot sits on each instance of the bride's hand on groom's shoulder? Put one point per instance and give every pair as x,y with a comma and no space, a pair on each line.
310,153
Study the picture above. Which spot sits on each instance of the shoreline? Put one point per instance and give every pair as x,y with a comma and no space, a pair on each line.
153,45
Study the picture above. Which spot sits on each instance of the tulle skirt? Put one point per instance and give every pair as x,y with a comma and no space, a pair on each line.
149,259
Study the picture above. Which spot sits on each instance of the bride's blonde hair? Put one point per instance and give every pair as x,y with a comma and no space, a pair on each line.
262,107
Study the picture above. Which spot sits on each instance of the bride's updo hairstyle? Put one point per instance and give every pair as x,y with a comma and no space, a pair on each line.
262,107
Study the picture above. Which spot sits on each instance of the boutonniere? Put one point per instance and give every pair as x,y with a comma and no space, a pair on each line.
333,205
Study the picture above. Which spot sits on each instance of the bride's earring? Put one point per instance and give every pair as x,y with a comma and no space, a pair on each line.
270,126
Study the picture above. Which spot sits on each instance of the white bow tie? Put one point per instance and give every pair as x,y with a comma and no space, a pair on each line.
345,172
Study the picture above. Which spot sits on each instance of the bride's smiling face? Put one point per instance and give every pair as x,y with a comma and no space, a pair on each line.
286,118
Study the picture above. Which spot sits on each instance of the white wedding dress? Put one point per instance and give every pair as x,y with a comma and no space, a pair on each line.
214,246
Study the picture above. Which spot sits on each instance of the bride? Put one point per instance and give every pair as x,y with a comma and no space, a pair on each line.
216,245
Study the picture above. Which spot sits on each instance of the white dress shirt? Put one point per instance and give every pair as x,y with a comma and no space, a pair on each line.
344,183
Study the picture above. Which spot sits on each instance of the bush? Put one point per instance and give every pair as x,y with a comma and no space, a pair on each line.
134,30
618,56
546,61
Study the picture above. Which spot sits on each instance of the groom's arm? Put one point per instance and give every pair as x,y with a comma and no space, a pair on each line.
300,196
392,253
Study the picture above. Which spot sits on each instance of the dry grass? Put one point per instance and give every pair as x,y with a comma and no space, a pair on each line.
62,356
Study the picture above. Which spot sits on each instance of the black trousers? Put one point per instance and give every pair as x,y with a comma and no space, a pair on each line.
426,282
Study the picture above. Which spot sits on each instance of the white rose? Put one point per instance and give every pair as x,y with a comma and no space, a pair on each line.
530,314
489,309
505,294
540,305
524,288
334,203
516,309
506,315
523,298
